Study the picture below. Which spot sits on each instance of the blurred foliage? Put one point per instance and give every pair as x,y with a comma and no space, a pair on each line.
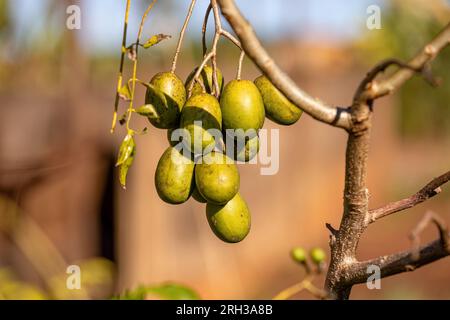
168,291
406,27
13,289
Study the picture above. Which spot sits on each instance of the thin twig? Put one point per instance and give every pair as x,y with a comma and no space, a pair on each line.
135,63
122,62
427,192
180,40
429,217
204,28
424,57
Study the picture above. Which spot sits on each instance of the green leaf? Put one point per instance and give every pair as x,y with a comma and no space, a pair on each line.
124,167
154,40
126,149
168,291
125,92
147,111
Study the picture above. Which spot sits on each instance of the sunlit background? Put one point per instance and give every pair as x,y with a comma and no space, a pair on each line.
60,200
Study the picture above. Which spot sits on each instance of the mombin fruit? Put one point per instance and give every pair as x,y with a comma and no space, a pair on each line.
165,96
174,177
278,108
205,108
230,222
206,78
217,178
242,106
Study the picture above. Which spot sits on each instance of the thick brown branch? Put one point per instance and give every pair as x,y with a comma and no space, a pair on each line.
396,80
395,263
427,192
253,48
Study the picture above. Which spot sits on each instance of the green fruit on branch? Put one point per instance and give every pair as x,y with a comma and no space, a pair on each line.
217,178
205,108
198,197
245,152
164,100
242,106
206,78
230,222
298,255
317,255
174,177
278,108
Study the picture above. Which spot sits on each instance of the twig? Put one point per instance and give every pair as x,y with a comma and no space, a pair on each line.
212,55
394,264
367,84
204,28
122,62
427,192
427,54
180,40
135,63
305,284
430,217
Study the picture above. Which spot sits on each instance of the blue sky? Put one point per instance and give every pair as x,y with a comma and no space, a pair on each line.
336,20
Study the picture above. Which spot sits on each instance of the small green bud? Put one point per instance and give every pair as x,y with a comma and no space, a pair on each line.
298,255
317,255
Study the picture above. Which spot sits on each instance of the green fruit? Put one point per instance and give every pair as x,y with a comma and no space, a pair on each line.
174,177
230,222
278,108
242,106
298,255
317,255
205,108
217,178
206,78
246,152
197,196
165,97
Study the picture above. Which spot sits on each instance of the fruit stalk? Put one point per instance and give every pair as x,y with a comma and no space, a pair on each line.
122,62
180,39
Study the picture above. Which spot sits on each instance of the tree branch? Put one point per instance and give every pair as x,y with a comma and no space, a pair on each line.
427,192
396,80
408,260
314,107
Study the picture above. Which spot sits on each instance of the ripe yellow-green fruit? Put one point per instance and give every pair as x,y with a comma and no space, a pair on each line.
278,108
217,178
246,152
317,255
242,106
165,98
206,78
298,255
198,197
230,222
174,177
205,108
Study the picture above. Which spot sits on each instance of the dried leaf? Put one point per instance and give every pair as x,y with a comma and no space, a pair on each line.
154,40
131,53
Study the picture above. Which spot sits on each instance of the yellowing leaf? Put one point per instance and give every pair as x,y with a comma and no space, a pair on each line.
125,92
127,148
154,40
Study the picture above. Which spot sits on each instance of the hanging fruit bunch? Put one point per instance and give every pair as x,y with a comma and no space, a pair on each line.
203,117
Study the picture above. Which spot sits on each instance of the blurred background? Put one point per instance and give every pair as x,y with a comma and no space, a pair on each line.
60,199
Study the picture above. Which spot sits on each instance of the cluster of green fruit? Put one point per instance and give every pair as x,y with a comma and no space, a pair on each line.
214,180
